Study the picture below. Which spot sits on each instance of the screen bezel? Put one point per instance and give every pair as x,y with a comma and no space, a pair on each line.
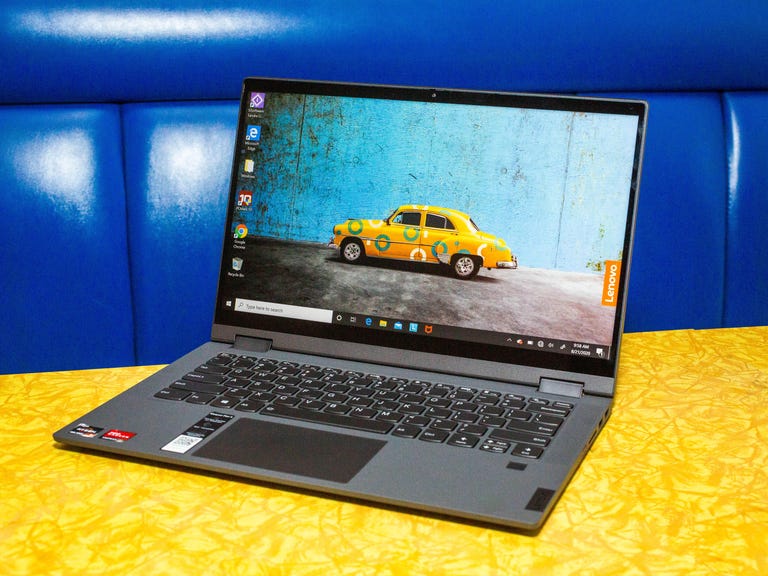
231,323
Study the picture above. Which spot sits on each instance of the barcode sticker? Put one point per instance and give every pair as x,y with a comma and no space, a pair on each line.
181,444
197,433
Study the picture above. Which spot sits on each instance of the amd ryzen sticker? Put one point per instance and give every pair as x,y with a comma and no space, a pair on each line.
86,431
118,435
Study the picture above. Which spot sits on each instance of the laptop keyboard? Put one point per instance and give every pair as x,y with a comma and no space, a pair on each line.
432,412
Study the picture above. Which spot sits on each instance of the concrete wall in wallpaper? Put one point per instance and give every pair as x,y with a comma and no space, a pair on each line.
553,184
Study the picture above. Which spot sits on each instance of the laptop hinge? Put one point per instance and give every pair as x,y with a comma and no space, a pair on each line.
253,344
561,387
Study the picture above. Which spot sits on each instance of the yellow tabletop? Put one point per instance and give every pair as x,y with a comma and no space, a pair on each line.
677,483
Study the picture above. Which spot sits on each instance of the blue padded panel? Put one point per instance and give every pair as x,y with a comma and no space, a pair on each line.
54,51
747,256
178,161
64,288
678,263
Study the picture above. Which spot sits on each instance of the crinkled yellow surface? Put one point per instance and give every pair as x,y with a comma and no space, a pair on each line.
677,483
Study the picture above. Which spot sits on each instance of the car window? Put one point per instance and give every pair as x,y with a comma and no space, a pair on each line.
438,221
408,218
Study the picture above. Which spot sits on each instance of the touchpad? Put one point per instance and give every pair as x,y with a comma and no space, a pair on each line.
291,449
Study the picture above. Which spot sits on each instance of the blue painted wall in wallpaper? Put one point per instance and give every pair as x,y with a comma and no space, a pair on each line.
532,177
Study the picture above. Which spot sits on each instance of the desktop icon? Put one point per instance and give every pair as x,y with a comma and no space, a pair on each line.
257,100
241,231
237,264
248,166
253,133
245,198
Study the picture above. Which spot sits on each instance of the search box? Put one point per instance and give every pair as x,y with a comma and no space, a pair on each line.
283,310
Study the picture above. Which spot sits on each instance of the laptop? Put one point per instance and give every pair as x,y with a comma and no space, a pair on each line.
420,301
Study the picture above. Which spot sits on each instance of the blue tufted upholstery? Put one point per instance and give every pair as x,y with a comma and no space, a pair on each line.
677,275
178,159
746,287
65,294
100,215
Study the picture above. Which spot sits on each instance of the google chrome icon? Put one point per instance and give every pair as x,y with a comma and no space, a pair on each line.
241,231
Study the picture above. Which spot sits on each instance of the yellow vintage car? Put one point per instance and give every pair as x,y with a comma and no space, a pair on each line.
424,234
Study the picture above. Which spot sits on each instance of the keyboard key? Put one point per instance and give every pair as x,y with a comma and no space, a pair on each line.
417,420
212,369
389,416
515,403
463,406
200,398
205,378
406,431
493,421
487,399
547,419
466,417
172,394
463,440
521,415
495,446
533,427
443,425
432,435
310,394
527,451
491,410
284,400
262,396
360,401
437,402
224,402
440,390
336,408
222,359
473,429
411,408
204,387
363,413
517,436
554,410
438,413
461,394
310,404
250,406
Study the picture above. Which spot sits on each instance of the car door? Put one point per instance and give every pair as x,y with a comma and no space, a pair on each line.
438,237
400,237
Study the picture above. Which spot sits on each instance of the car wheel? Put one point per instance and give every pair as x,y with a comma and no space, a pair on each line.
352,250
465,266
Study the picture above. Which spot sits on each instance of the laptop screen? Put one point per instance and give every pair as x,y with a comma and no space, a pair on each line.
485,225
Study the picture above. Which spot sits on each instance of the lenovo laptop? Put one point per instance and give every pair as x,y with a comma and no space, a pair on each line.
420,300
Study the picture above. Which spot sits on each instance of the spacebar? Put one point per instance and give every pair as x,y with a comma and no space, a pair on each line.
376,426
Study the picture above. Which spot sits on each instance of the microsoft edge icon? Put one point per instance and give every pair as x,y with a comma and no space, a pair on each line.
253,133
